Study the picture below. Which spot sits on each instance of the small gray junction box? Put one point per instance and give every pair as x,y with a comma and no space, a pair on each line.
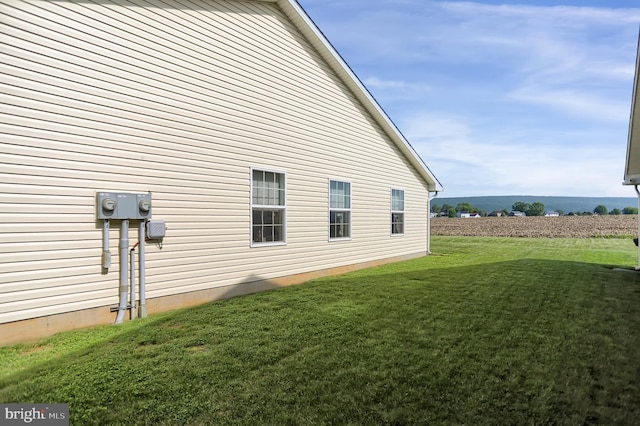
156,229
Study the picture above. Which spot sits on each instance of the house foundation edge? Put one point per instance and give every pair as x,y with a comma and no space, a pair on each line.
35,328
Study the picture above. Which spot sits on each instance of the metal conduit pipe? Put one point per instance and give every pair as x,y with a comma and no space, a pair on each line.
638,236
106,254
124,248
141,275
132,279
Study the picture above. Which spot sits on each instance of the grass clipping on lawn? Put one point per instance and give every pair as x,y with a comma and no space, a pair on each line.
494,330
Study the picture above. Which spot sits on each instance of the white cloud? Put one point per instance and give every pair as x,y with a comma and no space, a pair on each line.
499,99
502,165
579,103
379,83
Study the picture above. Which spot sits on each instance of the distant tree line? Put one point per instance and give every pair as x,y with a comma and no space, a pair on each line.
534,209
450,211
602,210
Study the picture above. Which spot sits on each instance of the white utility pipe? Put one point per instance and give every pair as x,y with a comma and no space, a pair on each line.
132,279
106,254
143,300
638,236
124,248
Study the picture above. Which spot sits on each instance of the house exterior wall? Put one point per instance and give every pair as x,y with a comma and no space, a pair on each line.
632,166
181,99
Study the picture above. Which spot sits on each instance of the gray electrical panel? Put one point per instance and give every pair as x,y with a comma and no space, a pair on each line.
123,205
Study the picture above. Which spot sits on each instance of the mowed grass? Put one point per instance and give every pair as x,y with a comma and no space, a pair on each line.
487,331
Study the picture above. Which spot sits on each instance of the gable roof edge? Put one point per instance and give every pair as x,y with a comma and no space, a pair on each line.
310,30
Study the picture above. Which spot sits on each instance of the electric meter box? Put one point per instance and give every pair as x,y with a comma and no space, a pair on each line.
107,205
156,229
143,206
123,205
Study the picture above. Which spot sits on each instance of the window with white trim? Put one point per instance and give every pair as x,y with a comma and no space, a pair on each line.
268,207
339,210
397,212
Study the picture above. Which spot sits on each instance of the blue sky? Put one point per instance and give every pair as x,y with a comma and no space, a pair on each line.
499,97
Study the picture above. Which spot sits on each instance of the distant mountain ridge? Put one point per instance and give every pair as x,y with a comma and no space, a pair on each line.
566,204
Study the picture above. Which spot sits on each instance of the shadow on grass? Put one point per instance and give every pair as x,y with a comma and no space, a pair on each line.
526,341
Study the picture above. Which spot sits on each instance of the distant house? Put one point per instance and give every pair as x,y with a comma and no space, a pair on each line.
495,213
516,213
465,215
552,213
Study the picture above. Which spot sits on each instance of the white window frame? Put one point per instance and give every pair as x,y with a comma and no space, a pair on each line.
340,210
268,207
395,211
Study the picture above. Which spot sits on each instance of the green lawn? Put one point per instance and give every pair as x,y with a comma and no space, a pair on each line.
488,331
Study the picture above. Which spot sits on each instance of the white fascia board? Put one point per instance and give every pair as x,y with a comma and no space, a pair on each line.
299,17
632,168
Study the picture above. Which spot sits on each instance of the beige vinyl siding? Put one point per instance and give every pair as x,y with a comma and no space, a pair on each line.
180,99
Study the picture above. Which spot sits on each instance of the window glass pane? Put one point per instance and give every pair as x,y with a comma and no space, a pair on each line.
397,223
347,196
268,190
259,197
257,178
269,178
278,233
333,194
257,186
339,198
268,233
339,195
257,234
397,200
271,196
268,225
277,217
339,224
257,217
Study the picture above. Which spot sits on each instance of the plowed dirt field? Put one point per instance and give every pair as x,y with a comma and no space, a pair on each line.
542,227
